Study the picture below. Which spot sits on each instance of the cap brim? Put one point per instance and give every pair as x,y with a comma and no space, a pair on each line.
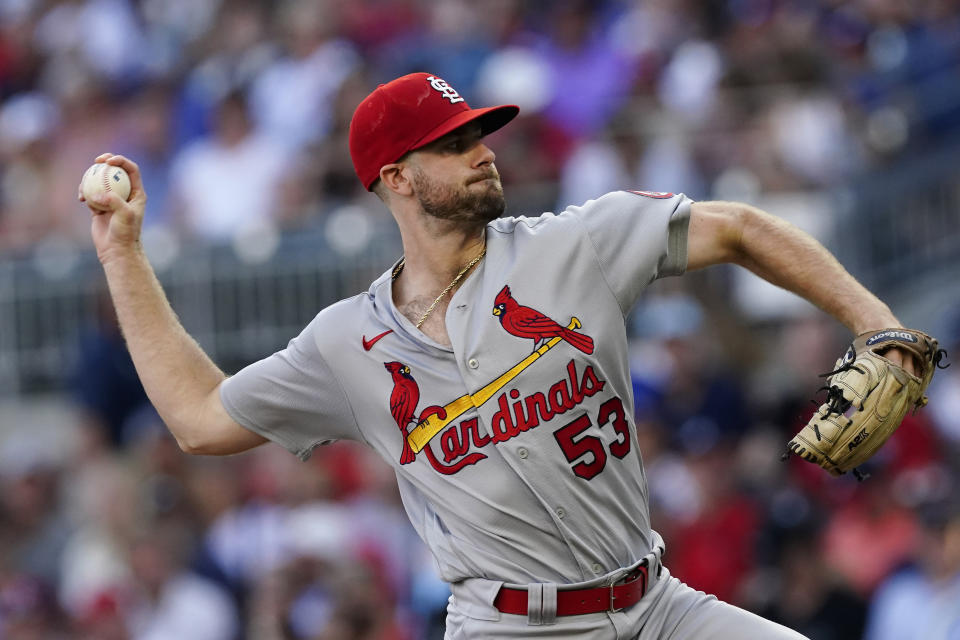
490,118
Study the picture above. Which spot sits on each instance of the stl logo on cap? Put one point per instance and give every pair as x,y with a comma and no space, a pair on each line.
448,92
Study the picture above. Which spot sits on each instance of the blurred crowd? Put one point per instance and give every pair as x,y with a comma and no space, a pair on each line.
237,113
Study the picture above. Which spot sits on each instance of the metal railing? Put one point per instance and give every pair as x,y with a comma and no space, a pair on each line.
903,223
898,226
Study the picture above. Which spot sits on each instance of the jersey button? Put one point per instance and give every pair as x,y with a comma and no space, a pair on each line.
523,453
597,568
561,513
473,363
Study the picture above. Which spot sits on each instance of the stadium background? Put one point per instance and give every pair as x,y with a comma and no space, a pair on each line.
841,116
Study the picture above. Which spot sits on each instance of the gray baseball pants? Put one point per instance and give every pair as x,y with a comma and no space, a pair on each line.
670,610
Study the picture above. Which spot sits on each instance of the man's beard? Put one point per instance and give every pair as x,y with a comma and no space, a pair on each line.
460,204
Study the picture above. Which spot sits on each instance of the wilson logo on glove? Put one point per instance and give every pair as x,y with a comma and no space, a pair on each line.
891,335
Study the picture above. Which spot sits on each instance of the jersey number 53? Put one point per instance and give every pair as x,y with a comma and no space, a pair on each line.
575,448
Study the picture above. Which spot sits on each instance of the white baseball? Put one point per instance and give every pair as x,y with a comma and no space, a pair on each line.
103,178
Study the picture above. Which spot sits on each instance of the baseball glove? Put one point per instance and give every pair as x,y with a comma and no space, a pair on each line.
867,397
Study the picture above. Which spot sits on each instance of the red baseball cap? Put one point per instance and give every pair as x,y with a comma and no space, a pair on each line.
408,113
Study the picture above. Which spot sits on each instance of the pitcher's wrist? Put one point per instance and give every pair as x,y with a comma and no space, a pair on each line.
117,254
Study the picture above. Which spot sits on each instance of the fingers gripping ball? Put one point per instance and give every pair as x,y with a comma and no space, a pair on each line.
104,178
867,398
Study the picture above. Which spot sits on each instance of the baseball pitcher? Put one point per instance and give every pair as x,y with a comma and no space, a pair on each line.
488,366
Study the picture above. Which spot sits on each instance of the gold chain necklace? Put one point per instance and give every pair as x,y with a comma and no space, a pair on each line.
423,318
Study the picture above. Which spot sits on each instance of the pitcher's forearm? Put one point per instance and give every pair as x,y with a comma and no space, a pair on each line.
790,258
176,374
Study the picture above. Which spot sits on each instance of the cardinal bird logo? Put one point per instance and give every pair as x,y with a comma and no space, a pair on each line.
403,403
525,322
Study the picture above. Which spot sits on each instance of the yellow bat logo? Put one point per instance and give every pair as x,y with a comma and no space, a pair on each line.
420,435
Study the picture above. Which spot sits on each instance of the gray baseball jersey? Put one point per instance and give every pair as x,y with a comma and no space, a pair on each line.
522,464
514,448
529,469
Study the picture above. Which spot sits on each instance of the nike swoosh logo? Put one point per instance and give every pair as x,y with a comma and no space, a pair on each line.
368,344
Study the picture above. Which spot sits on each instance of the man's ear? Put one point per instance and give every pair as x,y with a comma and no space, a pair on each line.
395,178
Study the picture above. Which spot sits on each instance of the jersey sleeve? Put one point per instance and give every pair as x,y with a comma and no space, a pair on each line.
292,398
638,237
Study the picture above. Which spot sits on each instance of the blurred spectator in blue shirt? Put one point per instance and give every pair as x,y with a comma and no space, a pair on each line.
922,602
